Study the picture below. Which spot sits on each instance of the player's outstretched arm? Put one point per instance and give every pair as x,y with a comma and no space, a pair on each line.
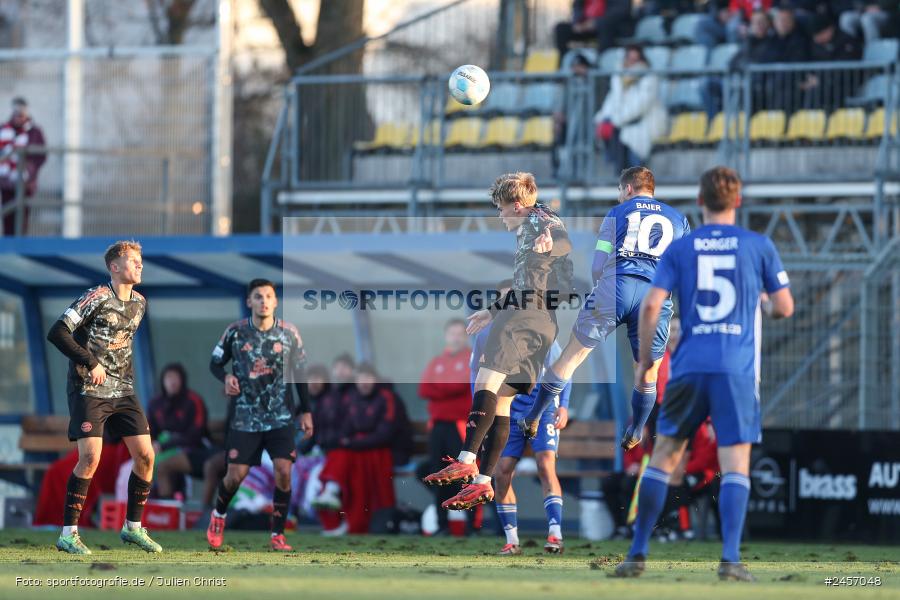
649,320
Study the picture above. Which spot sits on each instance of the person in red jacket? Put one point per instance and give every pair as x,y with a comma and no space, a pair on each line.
16,134
445,384
362,466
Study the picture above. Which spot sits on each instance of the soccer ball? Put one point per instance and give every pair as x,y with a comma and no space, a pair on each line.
469,85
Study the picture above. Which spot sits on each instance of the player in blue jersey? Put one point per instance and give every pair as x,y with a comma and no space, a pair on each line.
718,273
544,446
632,238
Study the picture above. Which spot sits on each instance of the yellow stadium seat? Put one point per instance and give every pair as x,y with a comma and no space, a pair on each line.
767,126
432,134
464,133
875,126
542,61
688,127
387,135
453,107
806,125
717,128
846,123
502,131
537,131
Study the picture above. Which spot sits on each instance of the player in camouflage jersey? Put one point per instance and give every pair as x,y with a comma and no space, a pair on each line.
523,330
266,354
96,334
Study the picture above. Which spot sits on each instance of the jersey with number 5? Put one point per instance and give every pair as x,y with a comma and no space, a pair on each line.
717,273
634,235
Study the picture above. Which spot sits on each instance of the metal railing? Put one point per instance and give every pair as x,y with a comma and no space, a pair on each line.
775,126
141,191
130,135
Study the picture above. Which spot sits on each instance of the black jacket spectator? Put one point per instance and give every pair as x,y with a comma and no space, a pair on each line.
370,419
177,420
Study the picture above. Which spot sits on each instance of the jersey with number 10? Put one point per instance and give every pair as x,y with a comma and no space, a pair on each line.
634,235
717,274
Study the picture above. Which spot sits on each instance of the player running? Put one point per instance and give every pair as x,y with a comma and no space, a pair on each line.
717,272
263,351
632,237
523,330
96,333
544,446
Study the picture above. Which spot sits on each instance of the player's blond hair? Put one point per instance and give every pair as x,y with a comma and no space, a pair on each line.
720,189
120,249
514,187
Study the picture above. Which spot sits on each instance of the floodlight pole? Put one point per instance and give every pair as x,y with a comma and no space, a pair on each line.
220,156
72,118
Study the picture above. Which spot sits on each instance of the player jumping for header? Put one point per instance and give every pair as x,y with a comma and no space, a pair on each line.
524,327
96,334
266,354
717,273
544,446
632,238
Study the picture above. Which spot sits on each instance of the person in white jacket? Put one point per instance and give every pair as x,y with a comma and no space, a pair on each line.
633,113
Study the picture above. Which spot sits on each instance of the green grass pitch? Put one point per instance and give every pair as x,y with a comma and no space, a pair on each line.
412,567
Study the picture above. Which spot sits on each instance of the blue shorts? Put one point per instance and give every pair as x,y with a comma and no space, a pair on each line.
731,400
614,301
547,436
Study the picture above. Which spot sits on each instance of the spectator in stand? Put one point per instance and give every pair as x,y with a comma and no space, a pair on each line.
726,22
445,384
18,133
177,418
633,113
602,20
827,89
790,44
362,465
868,20
754,47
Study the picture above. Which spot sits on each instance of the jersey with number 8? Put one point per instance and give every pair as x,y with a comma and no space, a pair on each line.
717,273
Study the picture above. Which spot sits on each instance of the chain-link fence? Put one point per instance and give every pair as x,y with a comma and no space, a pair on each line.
128,137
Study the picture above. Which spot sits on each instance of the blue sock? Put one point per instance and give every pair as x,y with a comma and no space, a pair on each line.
733,495
642,403
510,521
551,386
651,498
553,507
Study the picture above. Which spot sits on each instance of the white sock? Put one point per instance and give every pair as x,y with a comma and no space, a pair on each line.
512,535
481,479
132,524
556,531
332,487
217,515
466,457
69,530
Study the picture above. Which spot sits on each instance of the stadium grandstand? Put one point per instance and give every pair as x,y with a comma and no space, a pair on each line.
367,175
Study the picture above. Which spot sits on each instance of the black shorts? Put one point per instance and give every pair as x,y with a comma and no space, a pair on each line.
245,447
89,416
518,344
